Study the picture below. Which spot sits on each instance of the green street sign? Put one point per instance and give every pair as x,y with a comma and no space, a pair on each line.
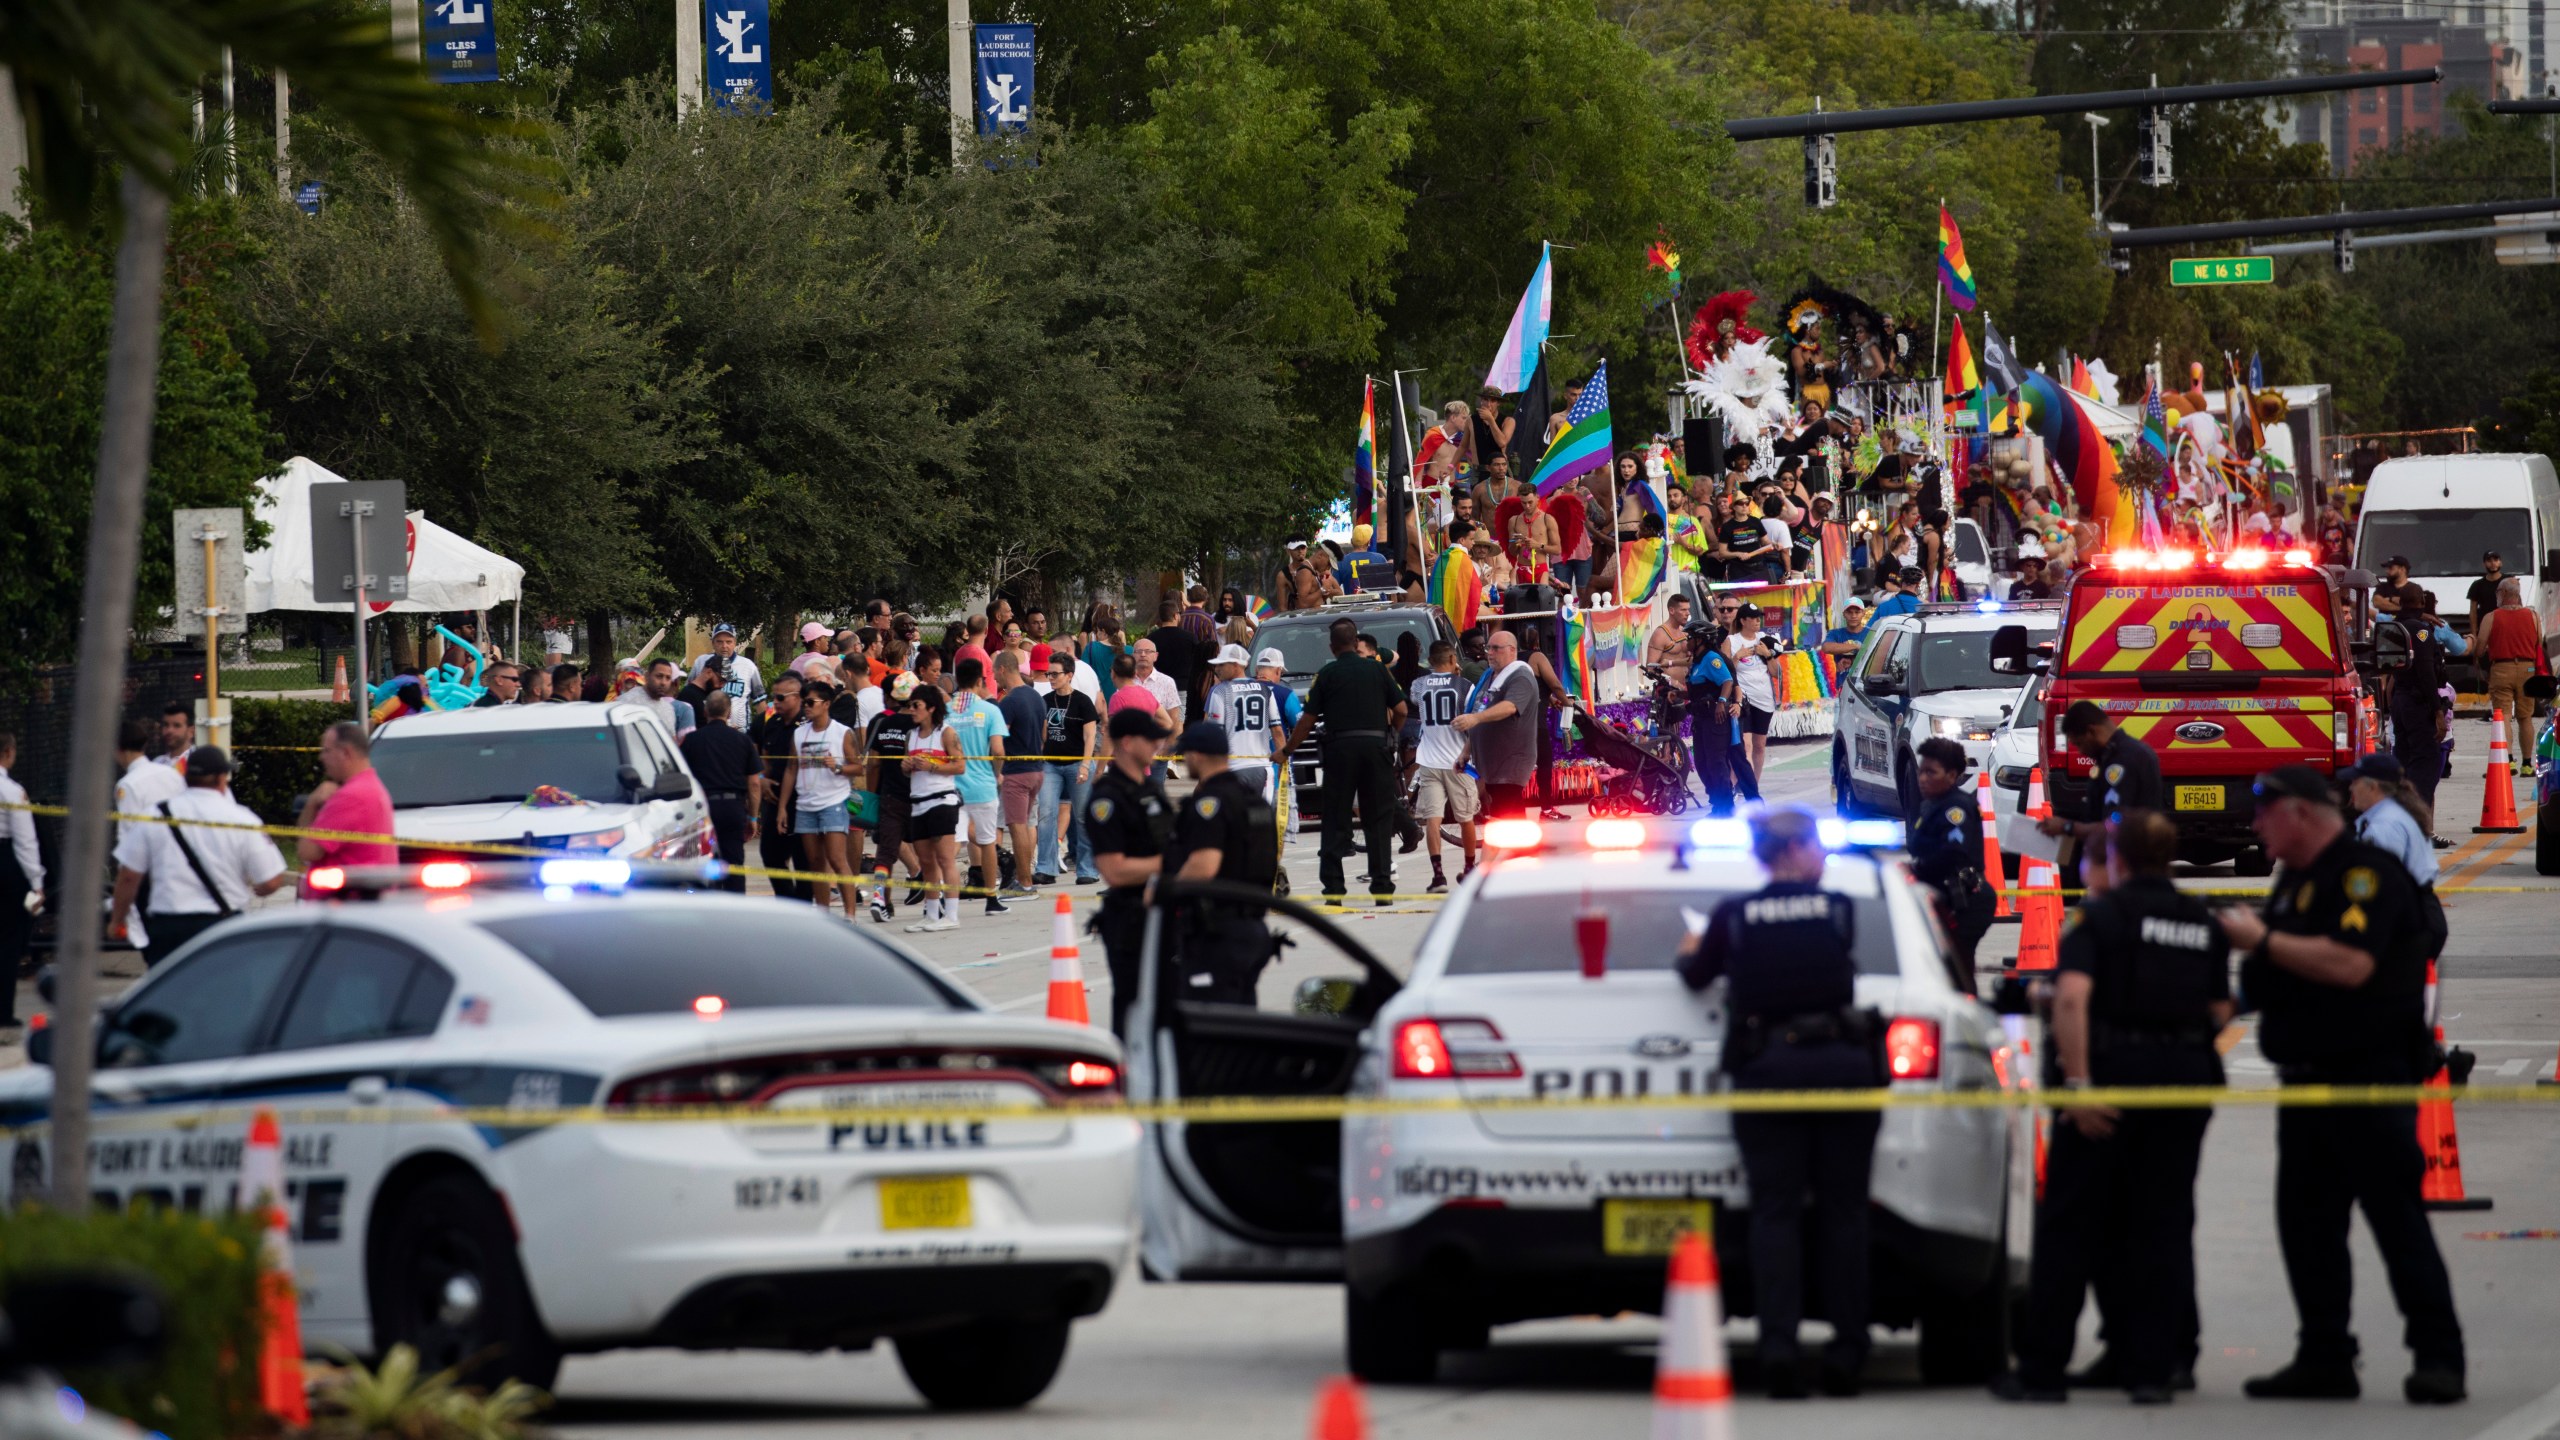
2235,270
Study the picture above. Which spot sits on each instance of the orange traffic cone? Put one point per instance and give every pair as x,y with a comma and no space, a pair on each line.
1692,1385
1340,1412
2442,1189
1992,869
2040,917
2038,808
1066,968
2498,806
280,1388
2372,725
338,693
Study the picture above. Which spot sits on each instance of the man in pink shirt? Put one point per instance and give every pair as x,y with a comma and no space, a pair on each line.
352,801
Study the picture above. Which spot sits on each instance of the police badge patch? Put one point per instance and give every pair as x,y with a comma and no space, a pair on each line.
1955,815
1101,810
2362,883
1209,807
2115,774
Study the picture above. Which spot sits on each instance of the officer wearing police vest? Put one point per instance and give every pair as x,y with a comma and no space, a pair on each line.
1784,953
2335,969
2142,988
1128,818
1225,831
1946,846
2126,776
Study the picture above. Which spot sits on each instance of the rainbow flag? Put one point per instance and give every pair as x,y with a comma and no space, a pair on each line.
1455,588
1583,445
1259,608
1641,566
1953,271
1962,373
2082,383
1579,679
1364,454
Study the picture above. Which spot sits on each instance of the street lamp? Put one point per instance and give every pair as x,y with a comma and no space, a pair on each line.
2097,123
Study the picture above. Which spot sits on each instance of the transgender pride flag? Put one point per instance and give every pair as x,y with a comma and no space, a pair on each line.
1517,360
1583,445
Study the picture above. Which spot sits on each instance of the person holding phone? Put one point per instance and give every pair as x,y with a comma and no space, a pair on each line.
1752,653
814,792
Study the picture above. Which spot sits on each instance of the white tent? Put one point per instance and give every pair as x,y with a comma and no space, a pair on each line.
446,572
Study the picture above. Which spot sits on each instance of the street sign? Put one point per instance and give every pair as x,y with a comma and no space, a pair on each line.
2231,270
380,509
230,568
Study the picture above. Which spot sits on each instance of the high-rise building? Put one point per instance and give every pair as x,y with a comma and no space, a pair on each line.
2494,50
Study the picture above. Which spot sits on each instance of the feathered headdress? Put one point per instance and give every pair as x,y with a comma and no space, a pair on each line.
1732,305
1746,388
1818,302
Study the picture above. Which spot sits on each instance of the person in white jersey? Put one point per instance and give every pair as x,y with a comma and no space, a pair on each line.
1442,789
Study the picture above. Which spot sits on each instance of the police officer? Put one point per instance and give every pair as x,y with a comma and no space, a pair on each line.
2142,988
1946,845
1129,819
1784,952
1362,709
1225,831
2126,776
1713,707
2334,971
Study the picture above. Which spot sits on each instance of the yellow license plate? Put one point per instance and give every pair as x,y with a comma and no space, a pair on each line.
924,1202
1649,1227
2195,797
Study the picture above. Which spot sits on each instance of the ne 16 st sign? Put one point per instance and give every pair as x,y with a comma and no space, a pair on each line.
2235,270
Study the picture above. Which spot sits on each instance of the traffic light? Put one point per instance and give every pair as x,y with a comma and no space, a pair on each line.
2342,251
1821,171
2152,134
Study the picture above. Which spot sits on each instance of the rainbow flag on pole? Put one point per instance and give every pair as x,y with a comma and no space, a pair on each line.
1364,455
1583,445
1953,271
1962,373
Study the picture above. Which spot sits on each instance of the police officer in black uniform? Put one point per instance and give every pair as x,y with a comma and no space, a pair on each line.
1225,831
2127,777
1946,846
1129,818
1784,951
2143,987
1362,708
2336,973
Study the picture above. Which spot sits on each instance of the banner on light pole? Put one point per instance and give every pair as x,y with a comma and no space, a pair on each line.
1004,79
741,65
458,42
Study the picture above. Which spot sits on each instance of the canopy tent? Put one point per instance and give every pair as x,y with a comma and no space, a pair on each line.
446,572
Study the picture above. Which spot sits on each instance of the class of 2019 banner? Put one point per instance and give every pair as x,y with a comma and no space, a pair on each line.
458,42
738,62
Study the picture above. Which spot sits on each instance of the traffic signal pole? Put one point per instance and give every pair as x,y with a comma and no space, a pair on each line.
1842,122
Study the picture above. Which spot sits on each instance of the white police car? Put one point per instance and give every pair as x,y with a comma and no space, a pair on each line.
972,1244
1548,976
1917,676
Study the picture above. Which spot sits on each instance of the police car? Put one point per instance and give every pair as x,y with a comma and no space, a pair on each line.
1548,977
971,1243
1917,676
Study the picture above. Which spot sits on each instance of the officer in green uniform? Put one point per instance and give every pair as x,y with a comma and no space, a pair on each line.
1128,817
1225,831
2336,971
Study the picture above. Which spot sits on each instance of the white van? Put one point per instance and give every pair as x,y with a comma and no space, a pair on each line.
2445,511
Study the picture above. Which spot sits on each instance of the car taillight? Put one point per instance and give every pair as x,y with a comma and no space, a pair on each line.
2341,737
1445,1049
1911,1049
1091,1075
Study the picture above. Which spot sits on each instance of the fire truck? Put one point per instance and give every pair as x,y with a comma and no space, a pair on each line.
2226,664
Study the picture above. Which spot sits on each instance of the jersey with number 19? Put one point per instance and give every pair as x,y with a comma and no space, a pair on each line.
1254,711
1438,699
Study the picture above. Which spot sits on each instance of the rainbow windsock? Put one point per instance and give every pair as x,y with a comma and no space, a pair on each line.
1455,588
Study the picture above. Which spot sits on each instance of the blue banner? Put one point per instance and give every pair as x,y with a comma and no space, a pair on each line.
459,44
1004,79
739,66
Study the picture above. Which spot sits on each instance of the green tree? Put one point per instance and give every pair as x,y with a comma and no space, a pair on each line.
208,440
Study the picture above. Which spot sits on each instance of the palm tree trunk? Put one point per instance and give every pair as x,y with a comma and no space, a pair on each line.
106,610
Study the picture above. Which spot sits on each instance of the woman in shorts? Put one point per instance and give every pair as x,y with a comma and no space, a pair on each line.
933,808
814,792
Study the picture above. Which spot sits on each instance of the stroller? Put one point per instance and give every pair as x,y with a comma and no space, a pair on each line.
1638,776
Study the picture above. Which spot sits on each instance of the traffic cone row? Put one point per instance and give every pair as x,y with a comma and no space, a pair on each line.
2498,804
280,1389
1692,1384
2040,915
1066,968
1984,793
2442,1188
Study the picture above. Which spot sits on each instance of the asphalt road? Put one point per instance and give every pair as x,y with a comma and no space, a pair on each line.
1226,1360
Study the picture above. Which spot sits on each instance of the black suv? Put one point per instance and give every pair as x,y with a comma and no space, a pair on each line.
1304,640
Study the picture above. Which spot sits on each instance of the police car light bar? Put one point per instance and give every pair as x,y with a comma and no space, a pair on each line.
1834,833
1514,835
556,878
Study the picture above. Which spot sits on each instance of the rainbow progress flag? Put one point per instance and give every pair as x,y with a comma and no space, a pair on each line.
1583,445
1953,271
1641,566
1364,454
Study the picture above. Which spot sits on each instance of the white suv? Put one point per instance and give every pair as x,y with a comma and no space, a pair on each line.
469,776
1917,676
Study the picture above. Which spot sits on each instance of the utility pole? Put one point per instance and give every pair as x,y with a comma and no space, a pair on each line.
688,58
404,27
2097,122
13,148
964,88
284,138
230,128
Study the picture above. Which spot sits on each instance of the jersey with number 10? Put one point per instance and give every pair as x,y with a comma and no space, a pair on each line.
1255,712
1438,700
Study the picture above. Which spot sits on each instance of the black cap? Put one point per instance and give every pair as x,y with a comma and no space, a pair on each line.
2381,765
1134,721
206,761
1206,737
2400,560
2493,555
2295,782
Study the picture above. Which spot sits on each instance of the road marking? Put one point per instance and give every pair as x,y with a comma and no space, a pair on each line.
2502,848
2513,1067
2528,1423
